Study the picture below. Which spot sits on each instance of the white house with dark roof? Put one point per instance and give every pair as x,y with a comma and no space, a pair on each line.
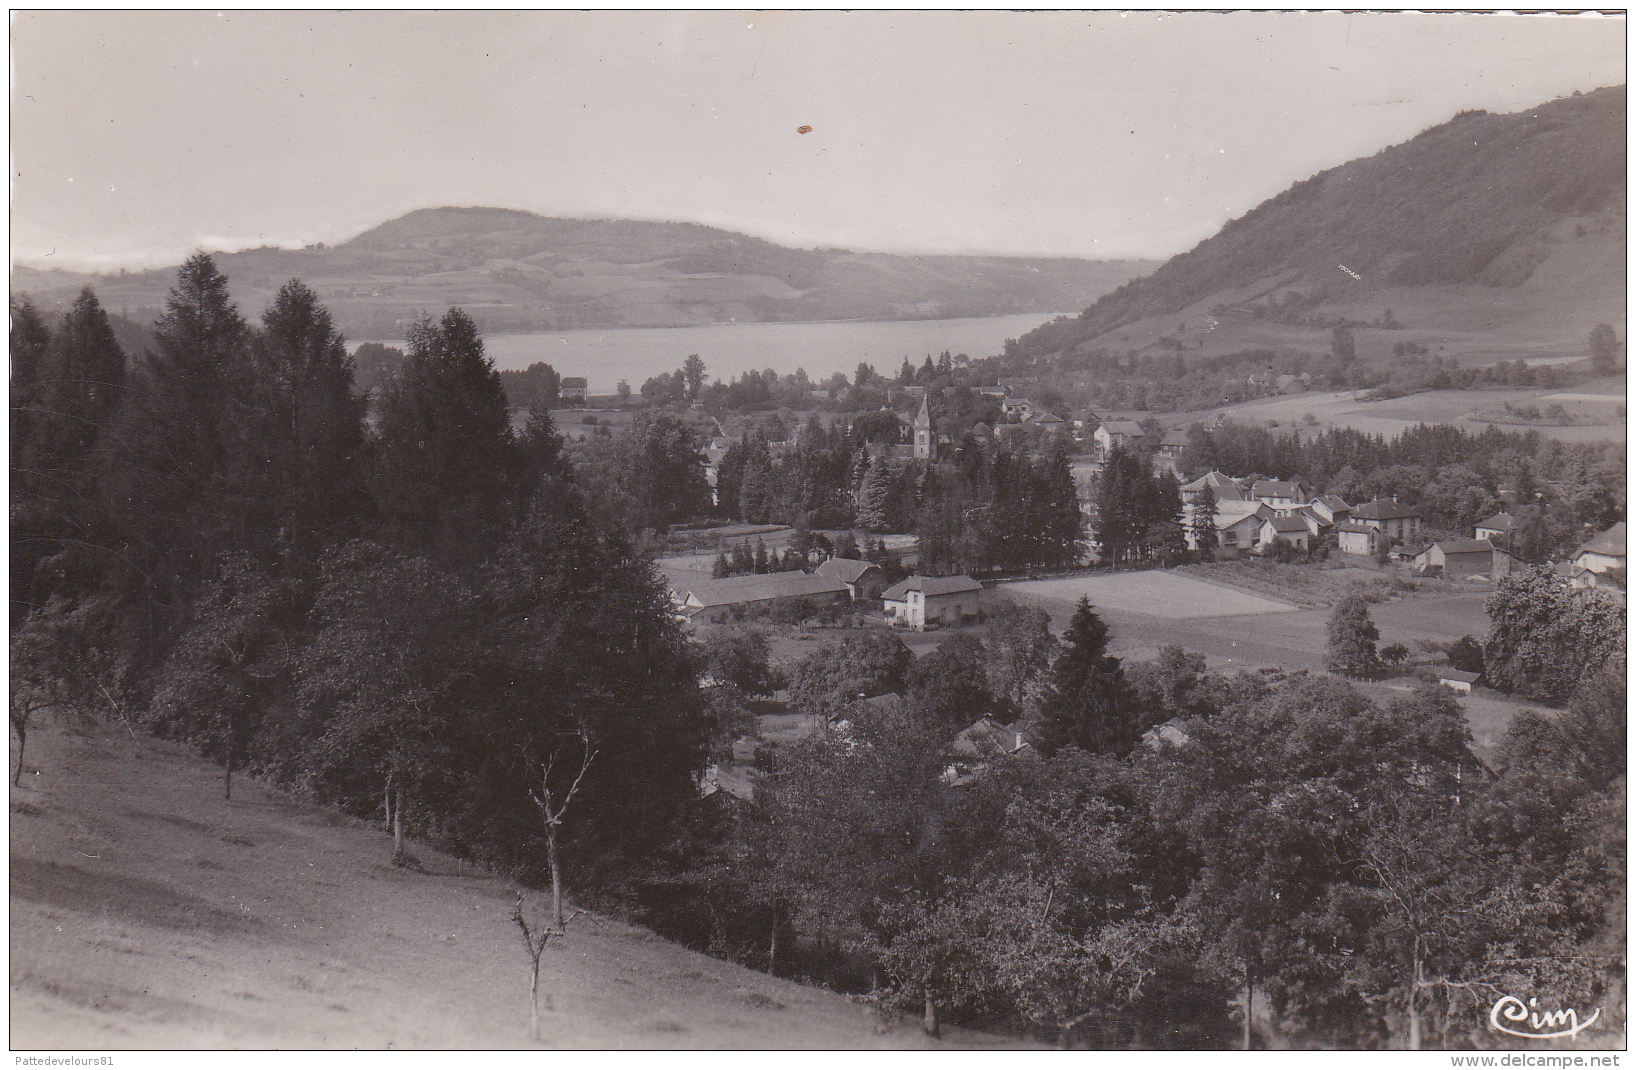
1496,529
1278,493
922,600
1331,509
1601,561
1354,538
1292,529
572,389
1391,520
1113,433
1238,527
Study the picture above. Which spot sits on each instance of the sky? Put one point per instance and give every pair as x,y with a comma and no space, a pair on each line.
140,137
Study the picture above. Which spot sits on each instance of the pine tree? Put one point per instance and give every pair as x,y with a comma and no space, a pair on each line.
873,496
1119,520
1205,537
1352,637
312,422
447,464
1085,704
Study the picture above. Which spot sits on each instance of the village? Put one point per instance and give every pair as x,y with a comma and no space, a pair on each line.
1253,599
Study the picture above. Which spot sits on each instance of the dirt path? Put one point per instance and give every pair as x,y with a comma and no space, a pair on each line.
148,912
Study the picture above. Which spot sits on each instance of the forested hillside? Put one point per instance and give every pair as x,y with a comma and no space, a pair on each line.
514,270
1481,201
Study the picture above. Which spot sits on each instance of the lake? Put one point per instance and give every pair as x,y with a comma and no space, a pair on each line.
636,355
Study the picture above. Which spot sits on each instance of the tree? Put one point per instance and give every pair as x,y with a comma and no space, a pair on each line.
312,422
1019,651
738,656
1466,654
1604,346
873,493
1086,704
447,468
1203,527
693,374
624,391
1352,636
1546,638
833,677
666,471
948,686
1395,654
1119,520
1342,347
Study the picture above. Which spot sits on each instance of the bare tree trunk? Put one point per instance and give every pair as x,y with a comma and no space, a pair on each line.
556,876
229,778
534,1001
929,1021
772,948
397,828
1414,1005
22,741
1249,1007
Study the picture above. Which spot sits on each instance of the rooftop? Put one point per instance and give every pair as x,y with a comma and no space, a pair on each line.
759,588
1465,546
1384,509
1610,543
845,569
932,586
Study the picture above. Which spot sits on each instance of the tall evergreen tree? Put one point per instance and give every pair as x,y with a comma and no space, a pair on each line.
1205,536
873,498
312,421
1119,521
447,461
1086,704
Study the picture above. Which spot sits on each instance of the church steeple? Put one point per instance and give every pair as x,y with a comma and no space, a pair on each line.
923,433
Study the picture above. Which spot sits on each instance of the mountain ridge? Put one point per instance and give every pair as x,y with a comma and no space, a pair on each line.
1453,221
515,270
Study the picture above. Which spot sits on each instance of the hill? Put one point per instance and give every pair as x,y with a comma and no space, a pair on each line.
514,270
148,912
1491,235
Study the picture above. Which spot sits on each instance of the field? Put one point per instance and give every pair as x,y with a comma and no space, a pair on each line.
147,912
1156,594
1393,417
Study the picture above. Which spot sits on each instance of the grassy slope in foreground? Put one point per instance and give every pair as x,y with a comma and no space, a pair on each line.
147,912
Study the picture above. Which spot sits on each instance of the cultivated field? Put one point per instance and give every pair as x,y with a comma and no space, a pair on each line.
147,912
1391,418
1152,593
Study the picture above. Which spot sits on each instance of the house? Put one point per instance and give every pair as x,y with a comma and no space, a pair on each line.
922,600
1601,561
1292,384
1497,528
1457,679
726,782
1278,493
1171,732
717,600
571,391
1113,433
1390,520
1355,538
1458,558
863,579
1291,529
991,391
1225,488
1331,509
977,746
1046,420
1238,527
1174,442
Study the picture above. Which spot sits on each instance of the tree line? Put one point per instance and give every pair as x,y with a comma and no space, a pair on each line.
1287,863
422,617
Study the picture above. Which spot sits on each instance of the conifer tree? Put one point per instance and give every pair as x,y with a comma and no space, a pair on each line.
1086,704
1205,538
873,496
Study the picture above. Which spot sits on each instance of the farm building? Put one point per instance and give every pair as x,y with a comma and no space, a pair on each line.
863,579
922,600
1496,529
1457,679
1455,558
1391,520
1355,538
1291,529
715,600
572,390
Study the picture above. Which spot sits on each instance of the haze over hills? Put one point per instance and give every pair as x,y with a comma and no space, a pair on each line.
514,270
1493,235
